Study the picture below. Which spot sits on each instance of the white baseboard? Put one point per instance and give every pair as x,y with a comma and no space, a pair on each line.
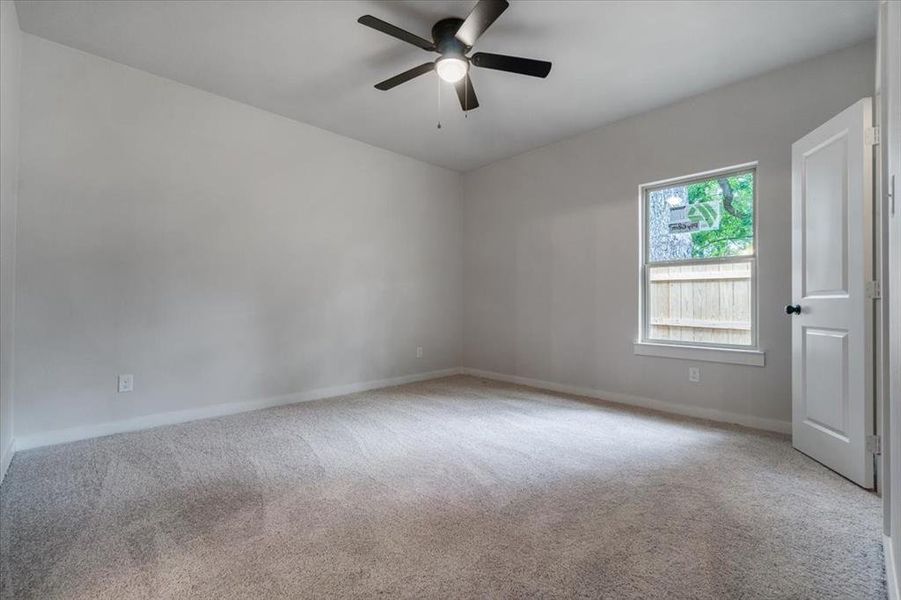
891,575
700,412
72,434
6,457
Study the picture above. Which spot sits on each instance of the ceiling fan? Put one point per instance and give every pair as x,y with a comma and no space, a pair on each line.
452,39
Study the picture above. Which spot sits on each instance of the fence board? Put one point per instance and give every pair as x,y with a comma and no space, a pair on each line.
703,303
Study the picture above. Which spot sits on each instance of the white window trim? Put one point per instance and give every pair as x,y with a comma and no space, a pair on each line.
736,356
723,353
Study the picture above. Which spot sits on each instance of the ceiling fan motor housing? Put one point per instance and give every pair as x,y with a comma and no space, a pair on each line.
444,35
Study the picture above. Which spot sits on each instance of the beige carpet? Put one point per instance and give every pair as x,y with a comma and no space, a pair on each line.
454,488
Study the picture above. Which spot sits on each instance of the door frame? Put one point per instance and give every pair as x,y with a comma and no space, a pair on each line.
888,373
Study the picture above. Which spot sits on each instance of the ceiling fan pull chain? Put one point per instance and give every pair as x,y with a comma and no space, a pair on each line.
438,79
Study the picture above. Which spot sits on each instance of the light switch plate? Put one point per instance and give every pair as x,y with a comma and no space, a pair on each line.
694,374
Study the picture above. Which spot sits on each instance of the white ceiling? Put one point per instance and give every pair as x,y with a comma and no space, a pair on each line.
313,62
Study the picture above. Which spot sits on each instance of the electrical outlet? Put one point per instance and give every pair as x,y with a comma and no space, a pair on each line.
694,374
126,383
418,351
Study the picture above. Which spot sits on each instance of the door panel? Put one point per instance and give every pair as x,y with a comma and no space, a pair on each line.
826,390
832,386
825,227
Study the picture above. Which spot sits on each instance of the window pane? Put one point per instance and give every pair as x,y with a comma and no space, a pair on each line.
708,303
705,219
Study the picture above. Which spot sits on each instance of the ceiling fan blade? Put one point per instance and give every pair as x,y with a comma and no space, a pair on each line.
513,64
466,94
394,31
405,76
480,19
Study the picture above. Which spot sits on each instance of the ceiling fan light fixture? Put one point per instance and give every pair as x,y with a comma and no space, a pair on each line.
452,68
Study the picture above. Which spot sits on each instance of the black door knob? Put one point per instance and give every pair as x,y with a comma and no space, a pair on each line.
796,309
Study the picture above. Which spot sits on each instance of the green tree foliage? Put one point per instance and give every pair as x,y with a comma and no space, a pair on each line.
735,236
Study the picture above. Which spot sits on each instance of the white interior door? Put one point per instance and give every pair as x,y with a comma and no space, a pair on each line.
832,269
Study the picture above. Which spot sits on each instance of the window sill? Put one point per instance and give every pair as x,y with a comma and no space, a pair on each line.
735,356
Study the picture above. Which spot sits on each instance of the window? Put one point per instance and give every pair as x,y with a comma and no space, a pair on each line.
699,263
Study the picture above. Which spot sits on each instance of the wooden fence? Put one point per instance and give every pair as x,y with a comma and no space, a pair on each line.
701,303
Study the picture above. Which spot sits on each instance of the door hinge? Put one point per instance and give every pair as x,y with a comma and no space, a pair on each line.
871,136
874,444
874,290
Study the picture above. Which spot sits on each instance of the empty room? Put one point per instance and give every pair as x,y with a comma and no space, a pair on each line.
306,299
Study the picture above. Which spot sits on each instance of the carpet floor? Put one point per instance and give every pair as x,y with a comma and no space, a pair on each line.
451,488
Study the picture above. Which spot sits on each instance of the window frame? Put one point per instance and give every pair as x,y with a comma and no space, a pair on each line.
647,345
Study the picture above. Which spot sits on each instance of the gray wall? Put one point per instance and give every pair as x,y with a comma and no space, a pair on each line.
551,239
222,254
217,252
10,46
